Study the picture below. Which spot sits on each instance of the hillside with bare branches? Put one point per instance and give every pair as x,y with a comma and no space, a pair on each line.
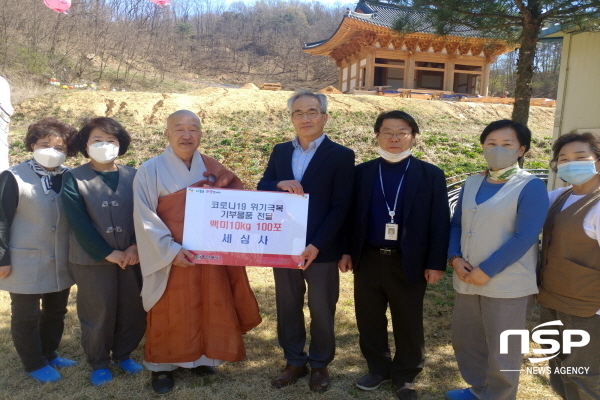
136,44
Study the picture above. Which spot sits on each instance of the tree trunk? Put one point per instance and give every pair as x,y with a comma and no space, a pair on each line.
55,34
529,39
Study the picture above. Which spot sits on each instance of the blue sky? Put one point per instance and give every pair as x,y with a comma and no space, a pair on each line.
330,2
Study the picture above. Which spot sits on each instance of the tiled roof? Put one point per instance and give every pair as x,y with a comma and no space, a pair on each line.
314,44
386,15
382,17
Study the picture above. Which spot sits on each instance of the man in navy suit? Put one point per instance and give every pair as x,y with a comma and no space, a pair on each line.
313,164
399,229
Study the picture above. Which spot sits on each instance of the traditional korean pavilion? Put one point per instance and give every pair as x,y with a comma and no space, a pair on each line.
371,54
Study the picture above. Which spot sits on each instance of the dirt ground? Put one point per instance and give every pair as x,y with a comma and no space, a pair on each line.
153,108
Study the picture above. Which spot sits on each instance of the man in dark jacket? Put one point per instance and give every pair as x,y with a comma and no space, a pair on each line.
399,229
312,164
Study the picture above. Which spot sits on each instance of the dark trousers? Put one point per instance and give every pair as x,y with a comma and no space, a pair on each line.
379,281
110,311
575,386
323,282
37,332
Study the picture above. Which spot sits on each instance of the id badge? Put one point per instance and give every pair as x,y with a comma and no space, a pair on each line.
391,231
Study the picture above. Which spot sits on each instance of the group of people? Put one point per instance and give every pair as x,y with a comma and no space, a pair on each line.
494,252
117,233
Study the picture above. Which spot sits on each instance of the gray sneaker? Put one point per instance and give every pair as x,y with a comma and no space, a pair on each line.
406,391
371,381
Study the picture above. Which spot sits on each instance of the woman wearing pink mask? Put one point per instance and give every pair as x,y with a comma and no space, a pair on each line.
570,288
34,248
98,200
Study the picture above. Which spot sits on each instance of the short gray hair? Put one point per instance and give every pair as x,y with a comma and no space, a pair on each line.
321,98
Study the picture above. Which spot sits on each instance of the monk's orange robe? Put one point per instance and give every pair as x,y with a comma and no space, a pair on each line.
205,309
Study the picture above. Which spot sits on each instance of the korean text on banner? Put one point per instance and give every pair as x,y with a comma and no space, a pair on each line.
239,227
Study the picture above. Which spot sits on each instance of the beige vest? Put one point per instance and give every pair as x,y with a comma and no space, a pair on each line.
570,259
38,245
485,228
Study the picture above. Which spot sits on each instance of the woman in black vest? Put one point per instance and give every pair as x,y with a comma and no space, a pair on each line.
98,200
570,290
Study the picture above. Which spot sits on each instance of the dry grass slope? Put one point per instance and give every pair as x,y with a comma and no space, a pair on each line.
240,129
241,126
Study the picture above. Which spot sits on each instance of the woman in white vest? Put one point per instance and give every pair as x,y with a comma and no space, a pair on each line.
34,246
570,279
494,250
98,201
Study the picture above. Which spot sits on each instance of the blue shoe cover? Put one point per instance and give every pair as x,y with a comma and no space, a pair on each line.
130,366
460,394
101,376
60,362
45,375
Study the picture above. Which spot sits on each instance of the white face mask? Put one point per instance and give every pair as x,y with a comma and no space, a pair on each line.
103,152
393,157
49,158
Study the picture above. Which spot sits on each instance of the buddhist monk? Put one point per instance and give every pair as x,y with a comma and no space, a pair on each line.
196,313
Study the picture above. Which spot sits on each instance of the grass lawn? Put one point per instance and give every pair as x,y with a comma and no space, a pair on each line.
251,379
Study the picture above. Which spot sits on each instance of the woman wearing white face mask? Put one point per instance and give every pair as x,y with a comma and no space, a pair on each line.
98,199
34,248
570,288
494,251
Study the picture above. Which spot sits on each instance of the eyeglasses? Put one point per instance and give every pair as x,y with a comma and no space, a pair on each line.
62,149
93,141
403,134
298,115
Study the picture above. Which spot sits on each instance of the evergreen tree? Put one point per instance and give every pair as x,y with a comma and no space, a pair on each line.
516,21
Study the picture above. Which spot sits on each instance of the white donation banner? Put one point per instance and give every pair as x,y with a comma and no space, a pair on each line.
242,227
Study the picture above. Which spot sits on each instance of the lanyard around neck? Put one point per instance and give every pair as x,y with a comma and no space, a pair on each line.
391,212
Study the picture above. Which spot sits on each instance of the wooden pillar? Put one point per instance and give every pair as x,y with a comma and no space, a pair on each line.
449,75
370,73
352,72
348,74
485,79
410,73
357,82
341,78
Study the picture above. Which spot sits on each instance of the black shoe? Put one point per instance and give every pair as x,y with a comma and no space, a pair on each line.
371,381
204,370
406,392
162,381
